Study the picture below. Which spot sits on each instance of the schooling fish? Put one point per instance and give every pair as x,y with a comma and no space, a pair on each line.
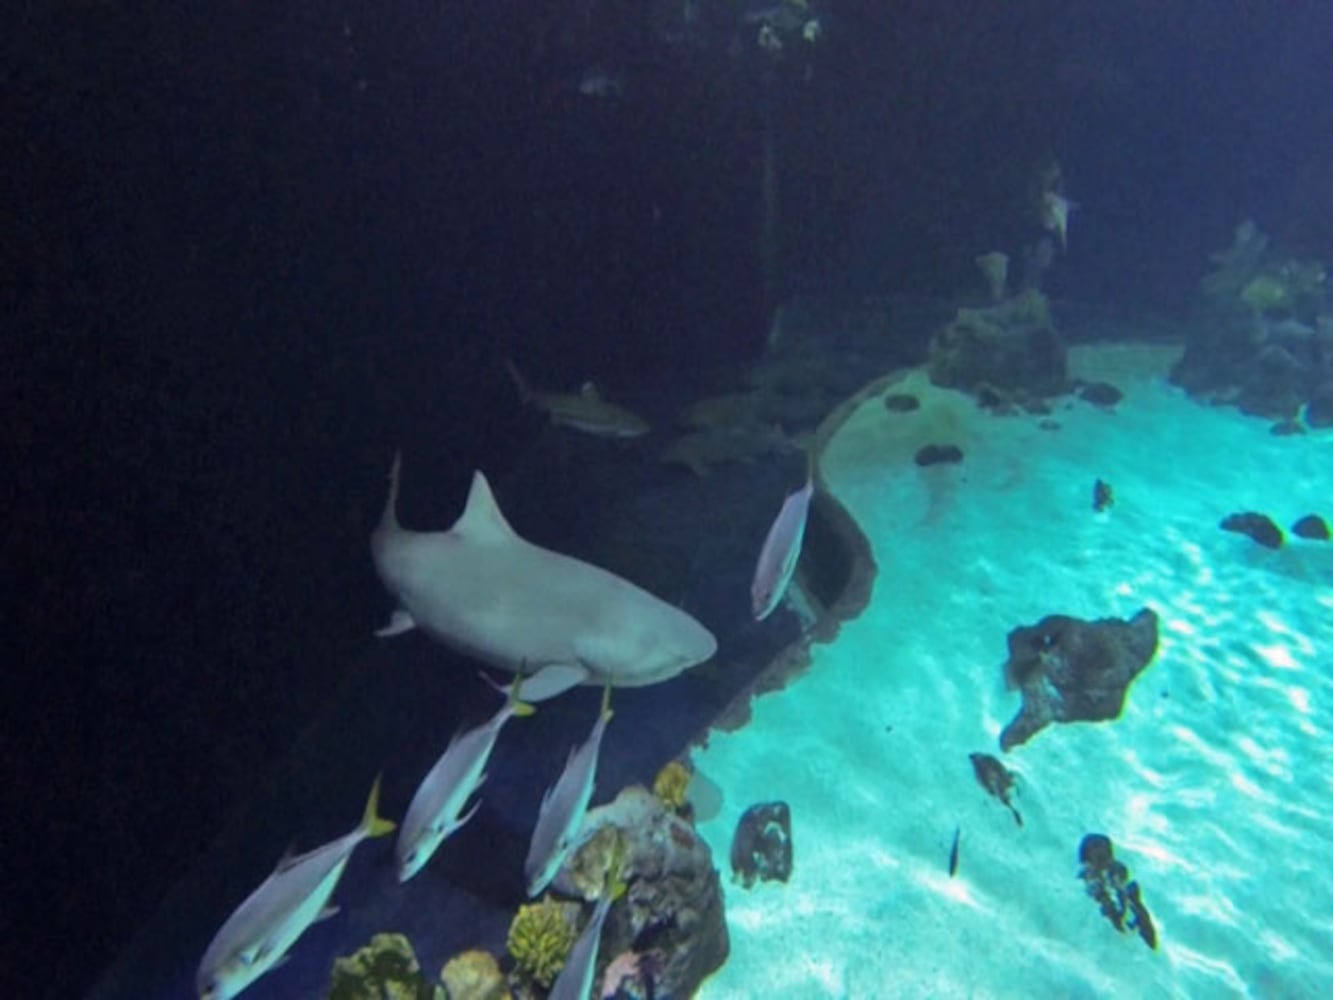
257,936
782,548
563,807
576,976
434,814
996,779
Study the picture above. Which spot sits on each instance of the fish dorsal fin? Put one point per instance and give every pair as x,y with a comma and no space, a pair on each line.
589,391
289,858
482,520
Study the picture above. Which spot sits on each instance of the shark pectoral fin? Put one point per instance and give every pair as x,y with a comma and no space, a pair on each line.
552,680
399,623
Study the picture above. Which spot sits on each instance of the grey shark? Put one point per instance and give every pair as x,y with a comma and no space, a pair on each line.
483,590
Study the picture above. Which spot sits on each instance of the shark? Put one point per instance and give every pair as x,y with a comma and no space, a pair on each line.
483,590
584,410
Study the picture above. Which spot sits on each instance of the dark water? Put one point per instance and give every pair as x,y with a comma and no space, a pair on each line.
246,254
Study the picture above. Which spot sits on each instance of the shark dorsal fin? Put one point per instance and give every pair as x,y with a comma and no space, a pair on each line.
482,520
589,391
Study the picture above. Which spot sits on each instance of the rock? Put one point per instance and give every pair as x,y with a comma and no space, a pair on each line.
1070,670
1012,346
1259,527
1099,393
901,402
761,848
1311,526
672,910
939,454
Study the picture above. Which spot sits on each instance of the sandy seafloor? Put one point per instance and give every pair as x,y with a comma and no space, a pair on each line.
1215,784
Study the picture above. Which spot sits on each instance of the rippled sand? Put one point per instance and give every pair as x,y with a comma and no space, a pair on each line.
1216,784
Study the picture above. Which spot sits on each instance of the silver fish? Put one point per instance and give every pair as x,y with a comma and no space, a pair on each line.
257,936
782,547
563,807
576,975
434,814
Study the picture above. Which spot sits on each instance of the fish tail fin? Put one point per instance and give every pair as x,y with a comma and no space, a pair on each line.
389,519
372,822
515,704
606,702
520,383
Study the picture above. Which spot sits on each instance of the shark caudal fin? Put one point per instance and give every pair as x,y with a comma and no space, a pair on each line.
372,822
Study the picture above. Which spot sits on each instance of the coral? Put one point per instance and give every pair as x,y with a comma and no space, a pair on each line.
541,937
474,975
671,784
588,867
385,969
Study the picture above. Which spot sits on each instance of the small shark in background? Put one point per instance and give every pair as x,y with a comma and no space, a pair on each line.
257,936
435,813
564,806
584,411
481,589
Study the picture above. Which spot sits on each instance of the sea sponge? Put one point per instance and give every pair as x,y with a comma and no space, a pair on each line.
671,785
385,969
475,975
540,938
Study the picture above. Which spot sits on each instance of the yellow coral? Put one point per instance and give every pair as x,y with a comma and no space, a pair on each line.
671,784
475,975
540,938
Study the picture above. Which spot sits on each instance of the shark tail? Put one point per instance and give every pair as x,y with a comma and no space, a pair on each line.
372,822
520,383
389,519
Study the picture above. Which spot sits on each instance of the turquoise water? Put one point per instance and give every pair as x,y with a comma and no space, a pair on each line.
1215,784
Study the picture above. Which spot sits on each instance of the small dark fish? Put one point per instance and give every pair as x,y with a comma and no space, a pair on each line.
996,779
953,852
1102,495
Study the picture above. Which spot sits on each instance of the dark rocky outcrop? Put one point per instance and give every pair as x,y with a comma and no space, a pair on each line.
1259,527
1011,347
672,910
938,454
1070,670
761,848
